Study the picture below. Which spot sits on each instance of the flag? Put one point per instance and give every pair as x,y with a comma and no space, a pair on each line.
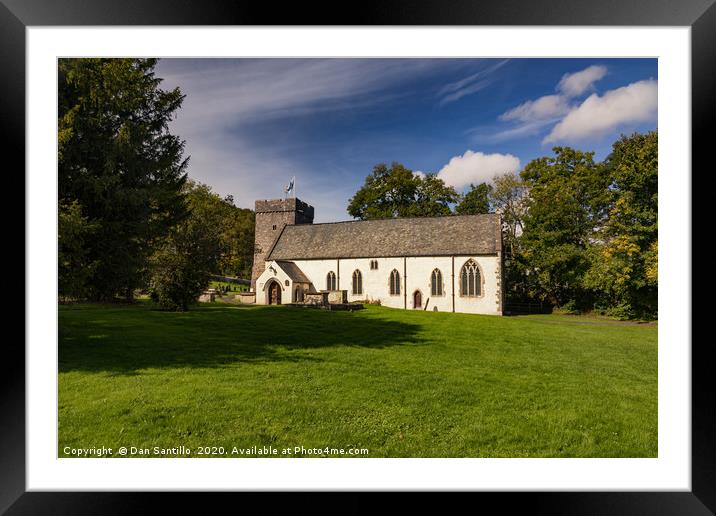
289,187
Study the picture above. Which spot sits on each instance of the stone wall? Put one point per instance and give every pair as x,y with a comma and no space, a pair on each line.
246,297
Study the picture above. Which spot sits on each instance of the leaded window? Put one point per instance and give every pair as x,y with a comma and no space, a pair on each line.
357,282
331,281
436,283
394,283
470,280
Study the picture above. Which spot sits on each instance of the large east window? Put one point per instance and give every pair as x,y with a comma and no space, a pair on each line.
470,279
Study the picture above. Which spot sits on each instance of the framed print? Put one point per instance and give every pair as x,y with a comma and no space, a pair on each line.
456,208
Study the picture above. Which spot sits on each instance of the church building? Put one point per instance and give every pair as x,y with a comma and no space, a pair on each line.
446,264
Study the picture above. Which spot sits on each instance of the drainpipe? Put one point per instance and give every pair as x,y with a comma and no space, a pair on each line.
452,279
405,290
338,274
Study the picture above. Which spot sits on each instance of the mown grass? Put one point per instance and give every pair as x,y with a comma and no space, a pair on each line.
399,383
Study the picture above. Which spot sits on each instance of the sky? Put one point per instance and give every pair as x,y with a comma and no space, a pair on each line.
250,125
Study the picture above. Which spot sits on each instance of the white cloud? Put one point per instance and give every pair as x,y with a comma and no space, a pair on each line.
543,108
419,173
597,115
550,106
477,167
574,84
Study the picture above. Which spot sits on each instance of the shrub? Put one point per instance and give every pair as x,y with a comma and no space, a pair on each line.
179,268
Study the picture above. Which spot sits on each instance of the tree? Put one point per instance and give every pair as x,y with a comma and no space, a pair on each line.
510,195
624,260
568,201
432,197
240,233
184,260
398,192
475,201
235,228
74,266
117,158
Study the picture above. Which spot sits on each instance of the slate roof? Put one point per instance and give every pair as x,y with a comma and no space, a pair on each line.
427,236
293,272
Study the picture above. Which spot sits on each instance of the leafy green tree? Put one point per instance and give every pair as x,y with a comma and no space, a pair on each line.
432,197
235,228
475,201
398,192
240,258
624,260
568,200
117,158
75,268
184,260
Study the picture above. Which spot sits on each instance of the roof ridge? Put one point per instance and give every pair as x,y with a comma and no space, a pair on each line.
395,218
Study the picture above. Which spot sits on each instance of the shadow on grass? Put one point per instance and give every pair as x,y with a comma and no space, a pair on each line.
125,339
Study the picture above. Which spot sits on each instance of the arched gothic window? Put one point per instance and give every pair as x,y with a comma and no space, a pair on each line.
357,282
470,281
436,283
331,281
394,283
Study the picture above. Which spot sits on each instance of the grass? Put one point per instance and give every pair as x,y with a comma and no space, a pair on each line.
399,383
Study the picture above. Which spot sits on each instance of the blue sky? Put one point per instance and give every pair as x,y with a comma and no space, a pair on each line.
252,124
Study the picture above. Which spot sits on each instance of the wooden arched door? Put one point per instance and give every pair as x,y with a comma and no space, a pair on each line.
417,300
274,293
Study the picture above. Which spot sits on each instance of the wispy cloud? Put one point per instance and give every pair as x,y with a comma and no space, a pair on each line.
470,84
520,131
244,90
229,100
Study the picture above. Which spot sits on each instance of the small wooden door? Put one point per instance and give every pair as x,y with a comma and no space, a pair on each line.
417,300
274,294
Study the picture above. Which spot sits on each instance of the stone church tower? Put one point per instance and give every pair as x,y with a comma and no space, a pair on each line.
271,217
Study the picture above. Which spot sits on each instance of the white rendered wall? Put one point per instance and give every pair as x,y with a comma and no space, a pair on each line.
263,280
415,274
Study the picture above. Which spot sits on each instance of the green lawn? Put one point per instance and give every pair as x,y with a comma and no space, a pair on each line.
399,383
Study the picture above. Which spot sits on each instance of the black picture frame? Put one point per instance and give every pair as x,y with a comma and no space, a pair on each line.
17,15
